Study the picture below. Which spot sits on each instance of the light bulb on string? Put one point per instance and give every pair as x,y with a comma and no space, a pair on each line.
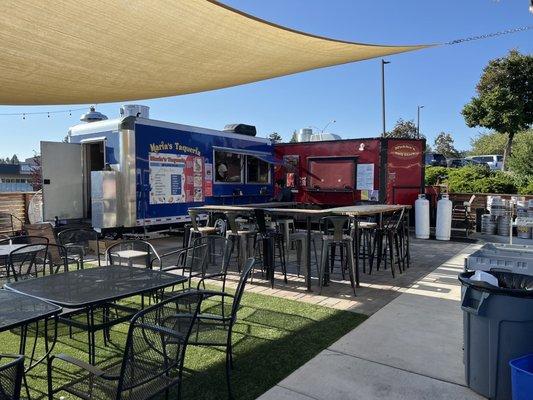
23,116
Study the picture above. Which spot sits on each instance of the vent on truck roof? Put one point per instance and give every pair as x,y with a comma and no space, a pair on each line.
241,129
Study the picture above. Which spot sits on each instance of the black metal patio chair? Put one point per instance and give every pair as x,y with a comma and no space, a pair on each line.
132,253
152,361
11,374
80,240
215,322
27,262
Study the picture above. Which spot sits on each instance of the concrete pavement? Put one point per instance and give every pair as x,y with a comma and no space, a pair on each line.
409,349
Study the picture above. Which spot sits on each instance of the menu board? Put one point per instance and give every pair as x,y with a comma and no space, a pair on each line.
176,178
365,177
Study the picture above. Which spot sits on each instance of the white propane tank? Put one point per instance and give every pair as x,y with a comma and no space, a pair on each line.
444,218
422,217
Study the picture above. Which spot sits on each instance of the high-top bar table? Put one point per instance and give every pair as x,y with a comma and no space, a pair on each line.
309,215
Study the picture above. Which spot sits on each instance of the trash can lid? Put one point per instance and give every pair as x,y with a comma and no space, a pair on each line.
510,284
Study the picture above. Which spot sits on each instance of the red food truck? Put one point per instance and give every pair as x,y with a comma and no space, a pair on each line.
343,172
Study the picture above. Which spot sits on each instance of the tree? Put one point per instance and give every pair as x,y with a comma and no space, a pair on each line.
444,145
488,143
404,130
521,161
14,159
293,137
504,99
275,137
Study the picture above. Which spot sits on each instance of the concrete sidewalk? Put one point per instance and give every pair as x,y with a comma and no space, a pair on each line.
410,349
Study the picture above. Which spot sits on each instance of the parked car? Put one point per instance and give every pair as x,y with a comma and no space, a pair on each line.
435,160
461,162
494,161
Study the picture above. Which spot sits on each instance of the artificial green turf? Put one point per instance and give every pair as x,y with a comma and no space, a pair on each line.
272,338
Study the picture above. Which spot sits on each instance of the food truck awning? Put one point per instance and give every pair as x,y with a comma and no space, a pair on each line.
267,157
96,51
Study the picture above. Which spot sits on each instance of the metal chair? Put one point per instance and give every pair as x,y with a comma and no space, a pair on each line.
27,262
215,322
243,239
206,259
10,224
143,253
11,374
152,361
330,241
197,230
266,241
79,240
390,238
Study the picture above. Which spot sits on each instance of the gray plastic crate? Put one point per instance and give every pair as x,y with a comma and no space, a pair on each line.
497,257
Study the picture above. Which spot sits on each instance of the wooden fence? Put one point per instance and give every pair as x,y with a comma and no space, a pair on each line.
16,204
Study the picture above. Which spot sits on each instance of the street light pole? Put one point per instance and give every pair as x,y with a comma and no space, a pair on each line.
418,121
383,62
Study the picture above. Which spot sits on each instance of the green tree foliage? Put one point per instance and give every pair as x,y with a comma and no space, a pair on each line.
404,130
488,143
443,144
275,137
479,179
435,175
14,159
293,137
504,100
521,161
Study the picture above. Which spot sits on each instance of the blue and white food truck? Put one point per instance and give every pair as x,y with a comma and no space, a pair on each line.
136,173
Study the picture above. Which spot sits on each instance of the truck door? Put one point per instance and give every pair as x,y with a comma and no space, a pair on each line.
62,174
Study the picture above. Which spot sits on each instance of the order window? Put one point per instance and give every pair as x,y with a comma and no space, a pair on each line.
258,171
228,167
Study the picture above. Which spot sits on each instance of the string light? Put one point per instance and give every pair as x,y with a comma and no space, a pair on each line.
24,115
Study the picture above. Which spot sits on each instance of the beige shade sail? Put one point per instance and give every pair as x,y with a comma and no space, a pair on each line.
96,51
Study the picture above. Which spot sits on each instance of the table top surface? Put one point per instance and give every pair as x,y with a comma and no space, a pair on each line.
82,288
352,211
130,253
5,249
17,309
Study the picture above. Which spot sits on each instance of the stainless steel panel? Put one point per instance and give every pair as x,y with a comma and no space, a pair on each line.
127,188
62,180
104,199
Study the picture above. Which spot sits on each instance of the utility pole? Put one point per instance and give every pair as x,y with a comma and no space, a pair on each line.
383,62
418,121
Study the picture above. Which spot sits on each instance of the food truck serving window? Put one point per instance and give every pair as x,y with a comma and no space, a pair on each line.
258,171
228,167
331,173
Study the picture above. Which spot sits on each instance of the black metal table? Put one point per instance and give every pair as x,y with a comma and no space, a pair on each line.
90,288
19,311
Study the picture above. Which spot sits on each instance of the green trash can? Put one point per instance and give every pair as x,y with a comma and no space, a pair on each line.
497,327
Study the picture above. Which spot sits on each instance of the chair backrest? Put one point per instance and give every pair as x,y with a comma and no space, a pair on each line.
194,220
245,274
123,253
11,373
394,219
27,261
78,237
155,346
260,221
61,261
10,224
338,223
233,226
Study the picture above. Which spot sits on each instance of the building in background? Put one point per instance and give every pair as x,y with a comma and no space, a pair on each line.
18,177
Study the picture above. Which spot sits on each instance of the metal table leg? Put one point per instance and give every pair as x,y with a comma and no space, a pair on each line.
308,256
356,239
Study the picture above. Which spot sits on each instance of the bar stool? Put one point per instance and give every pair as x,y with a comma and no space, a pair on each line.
241,238
286,226
198,231
338,238
387,240
366,238
265,243
300,239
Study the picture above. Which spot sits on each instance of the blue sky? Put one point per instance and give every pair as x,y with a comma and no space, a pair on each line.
442,79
